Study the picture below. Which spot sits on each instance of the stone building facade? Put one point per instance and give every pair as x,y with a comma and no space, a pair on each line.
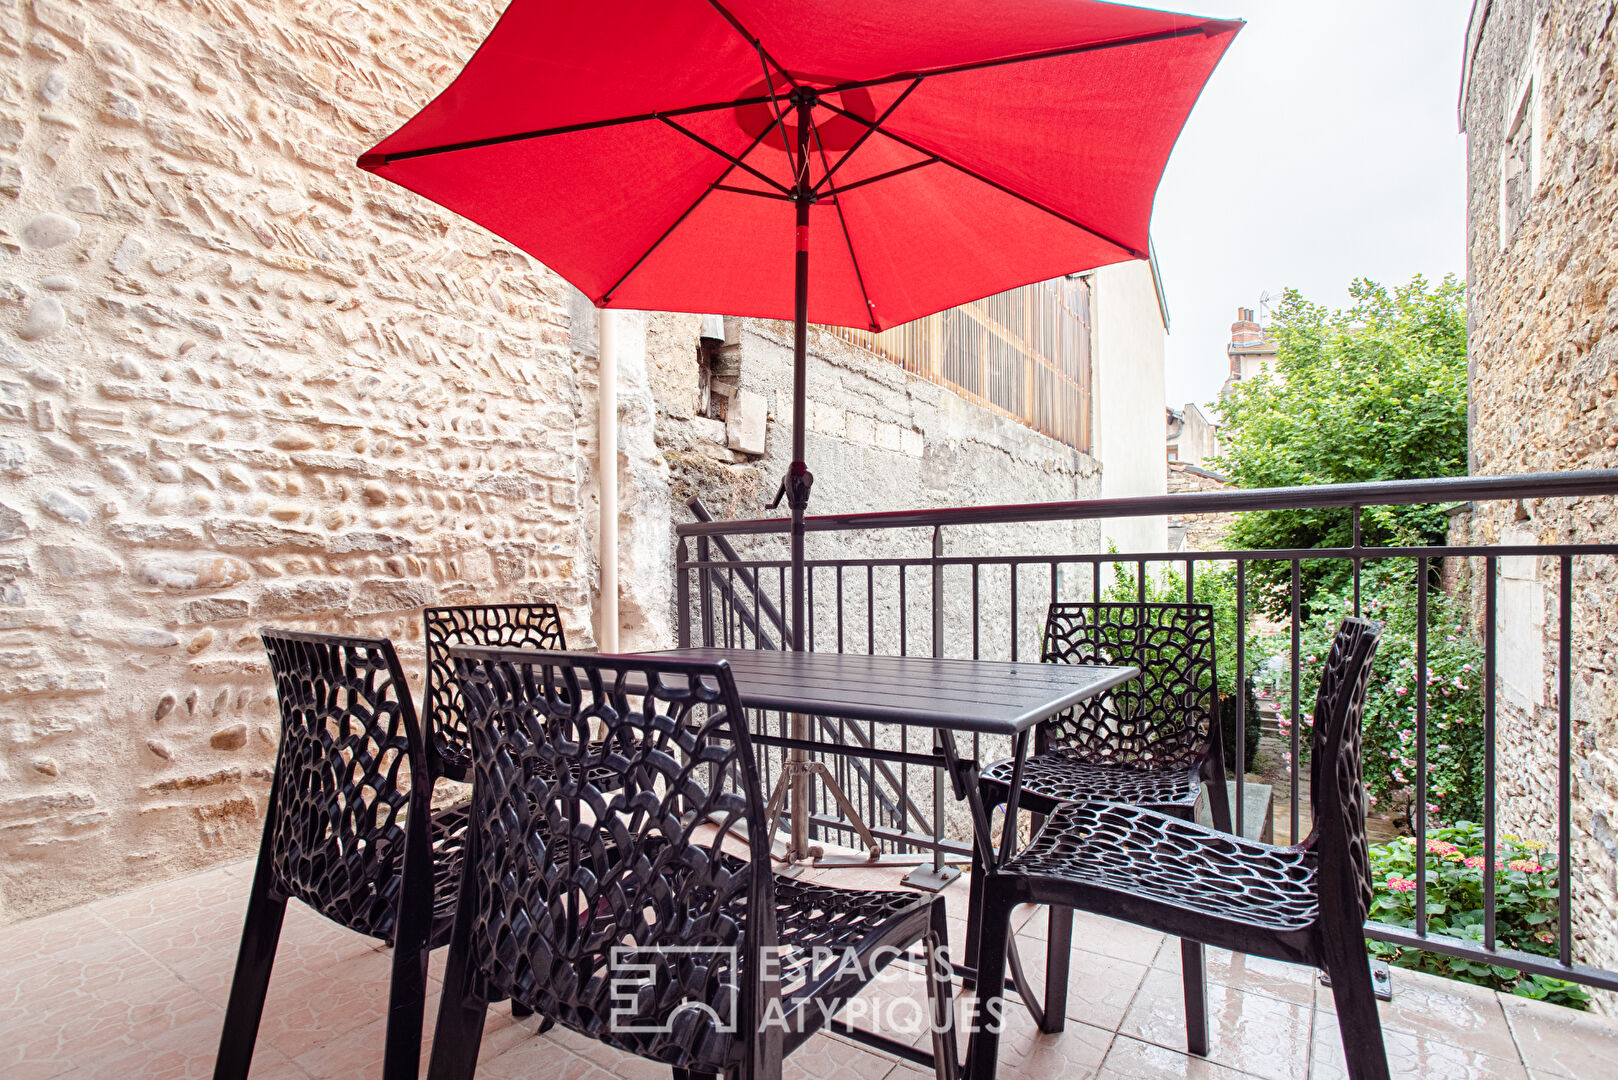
244,383
1539,106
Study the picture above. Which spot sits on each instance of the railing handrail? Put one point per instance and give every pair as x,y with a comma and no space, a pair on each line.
1451,489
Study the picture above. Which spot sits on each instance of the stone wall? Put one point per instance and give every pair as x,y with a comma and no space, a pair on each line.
1197,532
244,383
1540,107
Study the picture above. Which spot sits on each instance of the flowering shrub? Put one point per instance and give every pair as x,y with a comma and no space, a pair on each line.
1525,906
1454,678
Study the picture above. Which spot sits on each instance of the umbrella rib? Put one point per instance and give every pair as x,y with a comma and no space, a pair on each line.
718,180
752,191
1206,29
367,160
866,134
931,159
735,161
997,185
848,239
736,25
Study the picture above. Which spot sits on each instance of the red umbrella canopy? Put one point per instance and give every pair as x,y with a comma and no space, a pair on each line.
648,150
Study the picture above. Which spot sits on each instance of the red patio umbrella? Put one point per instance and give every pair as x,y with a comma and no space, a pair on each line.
670,154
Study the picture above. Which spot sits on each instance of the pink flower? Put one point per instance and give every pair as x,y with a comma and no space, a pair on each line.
1473,862
1400,691
1400,884
1524,866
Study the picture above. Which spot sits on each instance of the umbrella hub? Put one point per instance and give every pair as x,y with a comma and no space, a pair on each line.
774,123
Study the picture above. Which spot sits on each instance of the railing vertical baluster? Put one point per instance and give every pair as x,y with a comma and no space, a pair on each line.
1053,581
1489,856
733,614
1297,712
791,635
1013,568
1190,581
1095,582
1358,562
904,611
1140,580
705,587
1240,815
1421,746
758,614
839,607
870,609
977,612
1564,761
682,594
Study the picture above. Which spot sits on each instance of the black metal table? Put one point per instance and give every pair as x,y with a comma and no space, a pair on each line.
985,697
990,697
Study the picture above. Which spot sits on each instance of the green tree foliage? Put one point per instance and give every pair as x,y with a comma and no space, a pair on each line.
1373,392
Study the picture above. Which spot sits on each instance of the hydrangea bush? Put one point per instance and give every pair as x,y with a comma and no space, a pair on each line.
1525,906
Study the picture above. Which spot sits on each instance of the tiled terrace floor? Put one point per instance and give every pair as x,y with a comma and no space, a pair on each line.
134,987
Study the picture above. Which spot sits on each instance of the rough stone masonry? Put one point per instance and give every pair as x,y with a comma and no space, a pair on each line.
240,382
1540,110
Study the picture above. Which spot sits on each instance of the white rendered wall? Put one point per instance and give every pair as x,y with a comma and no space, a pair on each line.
1129,396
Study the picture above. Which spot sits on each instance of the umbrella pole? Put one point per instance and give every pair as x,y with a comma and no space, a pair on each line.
797,770
799,479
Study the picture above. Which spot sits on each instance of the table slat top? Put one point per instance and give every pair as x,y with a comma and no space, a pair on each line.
994,697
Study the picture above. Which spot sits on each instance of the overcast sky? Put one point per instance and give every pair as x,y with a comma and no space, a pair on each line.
1324,149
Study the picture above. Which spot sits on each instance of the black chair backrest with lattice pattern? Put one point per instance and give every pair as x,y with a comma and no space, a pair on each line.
518,626
1336,783
1165,718
604,792
347,773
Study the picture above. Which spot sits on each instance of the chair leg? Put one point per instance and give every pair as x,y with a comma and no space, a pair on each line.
1196,997
941,995
407,1000
1058,959
988,1015
261,932
974,914
1357,1017
459,1029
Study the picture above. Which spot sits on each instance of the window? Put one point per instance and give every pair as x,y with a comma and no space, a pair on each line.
1519,154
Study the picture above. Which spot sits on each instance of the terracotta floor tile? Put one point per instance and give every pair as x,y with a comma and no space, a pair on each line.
1560,1041
1130,1059
1412,1057
305,1010
1432,1007
1099,988
212,892
1262,1036
1097,934
1249,974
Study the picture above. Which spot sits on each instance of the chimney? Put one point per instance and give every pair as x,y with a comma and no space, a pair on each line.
1245,331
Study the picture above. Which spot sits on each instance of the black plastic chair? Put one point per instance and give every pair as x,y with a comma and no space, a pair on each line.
622,887
1152,742
1304,904
350,831
526,626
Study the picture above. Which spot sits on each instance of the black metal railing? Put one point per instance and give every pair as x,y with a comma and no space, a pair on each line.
938,583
